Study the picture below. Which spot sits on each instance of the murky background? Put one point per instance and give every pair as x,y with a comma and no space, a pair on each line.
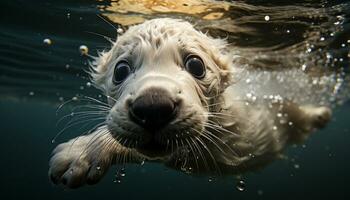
37,75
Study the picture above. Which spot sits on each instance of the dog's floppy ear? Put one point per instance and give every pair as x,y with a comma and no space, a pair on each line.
223,61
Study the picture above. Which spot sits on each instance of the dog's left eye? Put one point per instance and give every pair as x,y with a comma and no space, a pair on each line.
195,66
121,71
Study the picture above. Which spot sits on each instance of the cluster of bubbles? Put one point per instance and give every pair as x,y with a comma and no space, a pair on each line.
293,85
83,49
119,175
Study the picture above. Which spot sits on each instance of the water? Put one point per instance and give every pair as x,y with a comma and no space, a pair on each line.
42,64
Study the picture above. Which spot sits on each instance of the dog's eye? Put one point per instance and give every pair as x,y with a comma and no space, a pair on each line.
121,71
195,66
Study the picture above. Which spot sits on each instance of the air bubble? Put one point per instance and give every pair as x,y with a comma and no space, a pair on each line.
120,31
240,185
47,41
117,180
142,163
122,172
211,179
267,18
31,93
88,84
118,175
303,67
84,50
254,98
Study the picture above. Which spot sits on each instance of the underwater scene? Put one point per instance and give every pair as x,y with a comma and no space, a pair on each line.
299,49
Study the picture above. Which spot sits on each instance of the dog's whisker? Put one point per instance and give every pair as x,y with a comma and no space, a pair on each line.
97,101
217,169
74,124
92,140
109,39
92,107
216,127
199,150
222,142
193,153
109,23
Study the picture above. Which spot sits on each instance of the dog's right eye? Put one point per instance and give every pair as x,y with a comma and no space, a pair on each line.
195,66
121,72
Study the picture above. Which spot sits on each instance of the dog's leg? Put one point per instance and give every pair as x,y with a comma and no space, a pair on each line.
303,120
84,159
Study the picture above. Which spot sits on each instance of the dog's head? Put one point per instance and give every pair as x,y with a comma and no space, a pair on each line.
162,76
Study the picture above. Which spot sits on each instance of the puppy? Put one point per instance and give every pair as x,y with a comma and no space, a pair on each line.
169,102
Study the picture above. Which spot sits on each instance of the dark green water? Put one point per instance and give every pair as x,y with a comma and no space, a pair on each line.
35,78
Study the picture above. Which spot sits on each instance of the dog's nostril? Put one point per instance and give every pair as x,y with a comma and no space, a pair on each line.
153,110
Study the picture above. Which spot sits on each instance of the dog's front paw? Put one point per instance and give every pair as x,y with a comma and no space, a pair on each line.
73,165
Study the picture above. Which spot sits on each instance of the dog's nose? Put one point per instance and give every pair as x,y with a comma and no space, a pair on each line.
153,109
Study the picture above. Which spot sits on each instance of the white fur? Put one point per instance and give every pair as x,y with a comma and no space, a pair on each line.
242,135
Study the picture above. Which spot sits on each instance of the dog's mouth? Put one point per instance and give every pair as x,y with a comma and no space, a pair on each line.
154,149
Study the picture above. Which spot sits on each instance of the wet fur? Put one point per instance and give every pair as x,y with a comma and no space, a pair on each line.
214,133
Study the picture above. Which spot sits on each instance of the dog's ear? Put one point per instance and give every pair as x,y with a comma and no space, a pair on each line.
223,61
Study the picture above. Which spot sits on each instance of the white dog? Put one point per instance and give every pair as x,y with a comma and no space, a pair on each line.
168,102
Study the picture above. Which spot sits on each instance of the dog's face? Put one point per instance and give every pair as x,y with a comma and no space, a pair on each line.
161,77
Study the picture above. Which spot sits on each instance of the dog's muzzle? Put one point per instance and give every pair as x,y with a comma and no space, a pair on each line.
153,109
